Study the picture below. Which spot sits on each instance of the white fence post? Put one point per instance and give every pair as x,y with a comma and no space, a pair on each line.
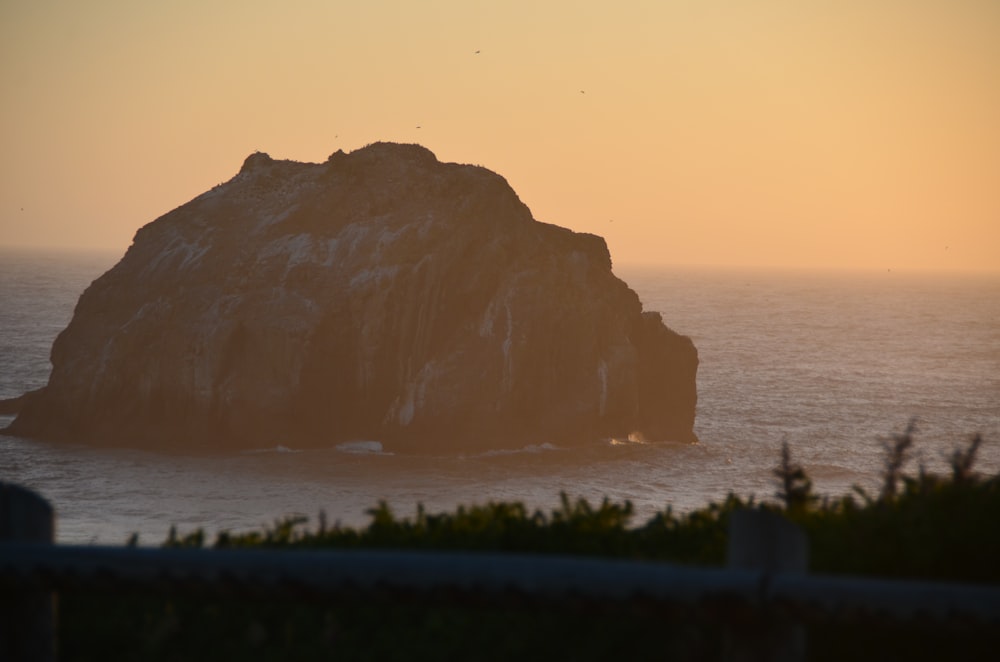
27,618
766,542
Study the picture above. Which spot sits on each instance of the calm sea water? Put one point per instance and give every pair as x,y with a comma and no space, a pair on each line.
831,362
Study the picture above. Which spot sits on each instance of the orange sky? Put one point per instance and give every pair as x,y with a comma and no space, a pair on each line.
850,133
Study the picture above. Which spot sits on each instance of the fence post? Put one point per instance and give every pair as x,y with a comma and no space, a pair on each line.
767,542
27,617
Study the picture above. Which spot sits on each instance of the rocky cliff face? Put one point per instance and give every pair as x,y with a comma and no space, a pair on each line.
380,295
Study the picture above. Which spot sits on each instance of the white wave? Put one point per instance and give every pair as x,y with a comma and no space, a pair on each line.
632,439
276,449
530,449
362,447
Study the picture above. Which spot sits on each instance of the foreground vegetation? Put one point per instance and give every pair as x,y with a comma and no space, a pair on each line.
921,526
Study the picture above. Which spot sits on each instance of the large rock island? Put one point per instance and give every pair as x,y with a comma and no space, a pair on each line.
381,295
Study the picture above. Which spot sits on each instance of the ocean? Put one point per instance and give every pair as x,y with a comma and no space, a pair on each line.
833,363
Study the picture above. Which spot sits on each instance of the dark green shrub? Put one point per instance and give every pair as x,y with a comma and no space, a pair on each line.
926,527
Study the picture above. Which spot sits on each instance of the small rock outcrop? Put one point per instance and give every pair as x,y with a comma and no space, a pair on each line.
379,295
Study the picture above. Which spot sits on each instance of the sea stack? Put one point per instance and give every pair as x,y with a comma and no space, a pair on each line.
381,295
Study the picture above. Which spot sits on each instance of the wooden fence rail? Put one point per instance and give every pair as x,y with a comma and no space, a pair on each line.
766,571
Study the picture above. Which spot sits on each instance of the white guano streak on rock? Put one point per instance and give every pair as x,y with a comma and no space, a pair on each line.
486,325
376,276
192,256
178,255
102,368
298,249
487,328
406,411
508,365
602,375
388,237
332,245
352,236
406,406
220,309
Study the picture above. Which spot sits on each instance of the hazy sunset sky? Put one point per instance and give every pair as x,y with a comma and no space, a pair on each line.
848,133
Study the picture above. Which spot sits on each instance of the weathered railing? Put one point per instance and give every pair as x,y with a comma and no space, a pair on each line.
766,571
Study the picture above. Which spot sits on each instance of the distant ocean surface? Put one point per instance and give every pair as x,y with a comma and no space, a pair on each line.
829,362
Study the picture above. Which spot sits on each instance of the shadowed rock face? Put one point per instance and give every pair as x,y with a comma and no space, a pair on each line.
380,295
